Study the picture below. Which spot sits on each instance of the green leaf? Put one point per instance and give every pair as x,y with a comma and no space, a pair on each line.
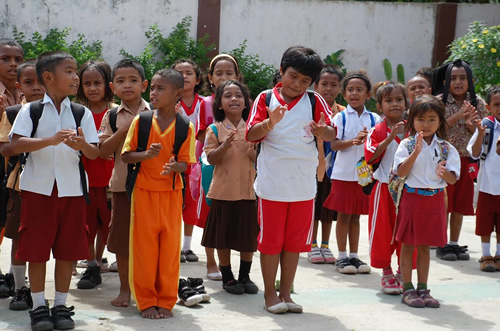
387,69
400,71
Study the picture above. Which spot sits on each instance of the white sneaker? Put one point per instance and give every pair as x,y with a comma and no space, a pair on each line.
82,264
315,256
113,267
327,255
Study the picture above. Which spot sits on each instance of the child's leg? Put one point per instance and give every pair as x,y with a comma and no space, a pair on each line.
18,266
326,230
225,265
406,265
456,220
341,231
36,272
123,298
212,267
99,251
269,267
62,278
288,264
315,233
245,265
423,262
354,234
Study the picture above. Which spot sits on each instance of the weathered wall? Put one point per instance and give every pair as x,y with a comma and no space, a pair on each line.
467,13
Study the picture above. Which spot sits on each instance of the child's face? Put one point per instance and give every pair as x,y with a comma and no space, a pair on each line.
294,83
416,87
427,123
189,74
458,82
127,84
65,79
328,87
10,58
162,93
93,85
30,85
233,101
356,93
494,106
223,71
393,105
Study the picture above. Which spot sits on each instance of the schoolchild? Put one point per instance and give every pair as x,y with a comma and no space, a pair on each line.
94,92
380,146
346,195
430,163
32,89
488,204
463,107
11,55
128,82
286,177
191,103
51,181
328,86
425,72
232,219
416,87
222,67
155,228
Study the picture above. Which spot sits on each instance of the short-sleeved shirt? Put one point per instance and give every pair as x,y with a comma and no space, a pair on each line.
423,173
234,175
193,112
286,166
8,98
123,117
489,181
320,173
345,162
58,163
459,135
5,128
149,177
205,116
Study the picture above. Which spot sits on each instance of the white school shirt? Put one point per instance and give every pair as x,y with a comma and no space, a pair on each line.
490,170
345,162
53,163
423,173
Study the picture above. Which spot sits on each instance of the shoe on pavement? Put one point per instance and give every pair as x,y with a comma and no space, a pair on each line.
327,255
113,267
82,264
249,286
344,266
446,253
61,316
399,279
461,252
183,257
40,319
190,256
412,299
497,262
22,299
187,294
91,277
233,287
197,285
487,263
361,267
390,285
315,256
428,299
4,288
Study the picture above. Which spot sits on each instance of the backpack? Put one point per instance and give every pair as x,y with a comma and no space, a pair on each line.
489,125
145,122
207,170
113,115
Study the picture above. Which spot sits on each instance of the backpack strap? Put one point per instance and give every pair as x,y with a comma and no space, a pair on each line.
269,94
343,124
214,129
113,114
489,125
312,99
372,118
181,132
78,112
12,112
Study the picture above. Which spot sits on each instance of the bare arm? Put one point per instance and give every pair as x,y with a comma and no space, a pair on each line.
110,145
477,146
217,154
21,144
134,157
405,167
385,143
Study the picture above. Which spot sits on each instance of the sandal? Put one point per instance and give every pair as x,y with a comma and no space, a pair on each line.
487,263
412,299
428,299
497,262
234,287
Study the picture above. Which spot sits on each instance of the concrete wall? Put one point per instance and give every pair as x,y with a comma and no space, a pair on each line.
468,13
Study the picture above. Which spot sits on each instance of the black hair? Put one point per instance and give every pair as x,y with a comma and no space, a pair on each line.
197,71
12,43
424,104
443,73
276,78
172,76
105,70
330,69
385,88
48,61
491,92
360,74
128,63
425,72
223,57
24,65
305,60
219,114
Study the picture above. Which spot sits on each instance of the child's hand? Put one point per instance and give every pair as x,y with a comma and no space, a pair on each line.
480,128
178,107
440,169
470,118
360,139
465,110
419,143
276,115
168,168
318,129
61,136
229,139
2,107
153,150
395,129
251,150
75,141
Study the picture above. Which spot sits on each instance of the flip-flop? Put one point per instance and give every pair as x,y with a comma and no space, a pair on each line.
294,308
214,276
278,308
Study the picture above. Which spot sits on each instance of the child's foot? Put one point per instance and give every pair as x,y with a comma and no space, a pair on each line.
327,255
428,299
315,256
361,267
122,300
292,307
164,313
234,287
150,313
213,272
274,305
390,285
399,279
345,267
487,263
190,256
104,265
249,286
412,299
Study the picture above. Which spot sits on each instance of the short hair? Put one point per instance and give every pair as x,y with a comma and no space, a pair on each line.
105,70
24,65
385,89
48,61
424,104
219,114
426,72
128,63
197,70
305,60
360,74
491,92
172,76
276,78
330,69
12,43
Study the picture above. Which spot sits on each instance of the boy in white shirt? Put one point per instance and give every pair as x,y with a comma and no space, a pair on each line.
51,181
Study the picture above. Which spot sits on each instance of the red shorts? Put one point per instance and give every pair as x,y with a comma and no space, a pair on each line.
347,198
119,228
202,210
285,226
487,214
50,222
190,205
461,194
98,214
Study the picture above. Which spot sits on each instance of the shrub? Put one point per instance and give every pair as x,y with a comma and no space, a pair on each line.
481,48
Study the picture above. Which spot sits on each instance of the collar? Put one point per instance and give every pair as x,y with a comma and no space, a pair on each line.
228,125
65,103
451,99
349,109
143,106
280,99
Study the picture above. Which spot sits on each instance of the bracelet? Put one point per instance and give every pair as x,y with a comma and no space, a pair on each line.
269,127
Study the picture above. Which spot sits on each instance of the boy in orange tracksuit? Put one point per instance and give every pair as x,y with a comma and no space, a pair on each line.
155,226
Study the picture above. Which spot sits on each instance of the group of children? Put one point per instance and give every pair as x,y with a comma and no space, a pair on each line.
280,166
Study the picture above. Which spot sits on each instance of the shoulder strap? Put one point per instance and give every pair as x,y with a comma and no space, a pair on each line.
145,122
312,99
269,94
489,124
343,124
113,114
36,109
12,112
372,118
181,131
214,129
78,111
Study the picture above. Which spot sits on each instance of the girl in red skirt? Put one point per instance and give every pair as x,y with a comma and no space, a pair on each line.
430,164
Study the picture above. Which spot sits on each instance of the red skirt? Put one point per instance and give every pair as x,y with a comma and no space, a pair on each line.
422,220
348,198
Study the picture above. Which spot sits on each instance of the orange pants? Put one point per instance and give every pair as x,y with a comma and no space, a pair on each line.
155,236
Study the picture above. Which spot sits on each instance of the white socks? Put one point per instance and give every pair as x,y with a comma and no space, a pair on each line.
60,299
451,243
38,299
342,255
485,247
186,243
19,272
353,255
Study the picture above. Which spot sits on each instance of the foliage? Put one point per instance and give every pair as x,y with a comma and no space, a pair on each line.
256,75
56,40
335,60
400,71
481,48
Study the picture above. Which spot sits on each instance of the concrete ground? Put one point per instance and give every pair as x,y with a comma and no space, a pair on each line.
470,299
